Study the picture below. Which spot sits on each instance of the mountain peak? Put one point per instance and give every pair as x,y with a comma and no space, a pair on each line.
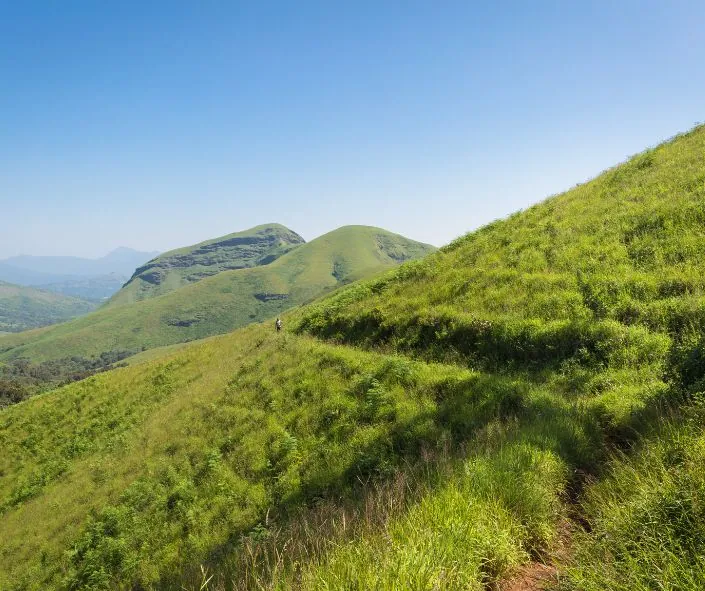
240,250
127,254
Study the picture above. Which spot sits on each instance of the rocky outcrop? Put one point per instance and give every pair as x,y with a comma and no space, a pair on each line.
259,246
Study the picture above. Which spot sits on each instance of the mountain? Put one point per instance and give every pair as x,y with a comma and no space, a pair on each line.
530,393
224,301
257,246
129,257
26,277
97,288
22,308
93,279
122,261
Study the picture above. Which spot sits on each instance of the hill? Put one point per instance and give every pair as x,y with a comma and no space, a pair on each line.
23,308
430,428
93,279
94,288
97,288
121,261
25,277
224,301
257,246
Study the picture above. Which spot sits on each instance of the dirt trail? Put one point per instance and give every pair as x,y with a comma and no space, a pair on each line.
533,577
540,576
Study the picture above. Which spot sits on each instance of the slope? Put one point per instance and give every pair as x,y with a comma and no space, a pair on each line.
23,308
622,253
224,301
169,271
646,518
435,453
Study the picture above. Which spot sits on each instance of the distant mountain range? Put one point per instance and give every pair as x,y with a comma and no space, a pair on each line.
95,279
121,261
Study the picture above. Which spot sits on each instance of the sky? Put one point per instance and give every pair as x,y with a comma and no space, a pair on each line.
155,125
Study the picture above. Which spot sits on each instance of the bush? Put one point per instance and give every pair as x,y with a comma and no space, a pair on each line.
12,392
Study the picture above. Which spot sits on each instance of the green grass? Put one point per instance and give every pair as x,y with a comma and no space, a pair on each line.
482,521
420,430
161,466
623,252
224,301
647,518
24,308
169,271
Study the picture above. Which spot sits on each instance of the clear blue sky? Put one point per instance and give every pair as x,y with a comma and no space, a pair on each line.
159,124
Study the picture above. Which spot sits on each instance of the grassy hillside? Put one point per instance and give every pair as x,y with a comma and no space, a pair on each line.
223,302
23,308
620,254
426,429
647,518
162,466
176,268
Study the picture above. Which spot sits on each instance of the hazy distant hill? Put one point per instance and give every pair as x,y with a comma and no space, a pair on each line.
22,308
96,288
257,246
224,301
121,261
27,277
95,279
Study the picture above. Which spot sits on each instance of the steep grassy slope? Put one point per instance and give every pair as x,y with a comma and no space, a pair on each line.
23,308
620,255
176,268
223,302
595,287
647,518
436,453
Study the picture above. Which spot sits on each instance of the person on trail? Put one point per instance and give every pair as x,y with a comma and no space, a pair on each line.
278,324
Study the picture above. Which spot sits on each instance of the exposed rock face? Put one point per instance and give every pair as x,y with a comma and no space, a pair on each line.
233,253
182,322
259,246
266,297
152,276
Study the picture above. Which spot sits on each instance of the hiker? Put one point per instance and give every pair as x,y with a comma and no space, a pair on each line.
278,324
